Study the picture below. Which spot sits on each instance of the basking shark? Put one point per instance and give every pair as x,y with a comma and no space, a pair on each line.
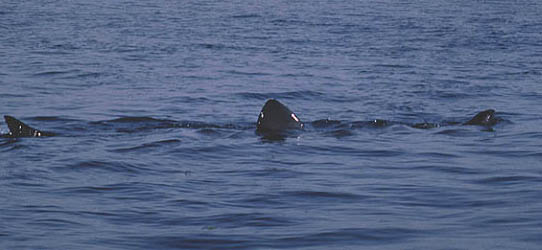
19,129
274,121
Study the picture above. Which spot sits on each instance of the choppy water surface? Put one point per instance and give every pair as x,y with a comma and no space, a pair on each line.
155,105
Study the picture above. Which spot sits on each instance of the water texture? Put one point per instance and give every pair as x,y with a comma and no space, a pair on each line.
155,105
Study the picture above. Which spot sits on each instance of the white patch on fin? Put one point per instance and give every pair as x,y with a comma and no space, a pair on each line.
294,117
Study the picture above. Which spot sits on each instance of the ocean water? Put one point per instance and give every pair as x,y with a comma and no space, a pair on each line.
155,103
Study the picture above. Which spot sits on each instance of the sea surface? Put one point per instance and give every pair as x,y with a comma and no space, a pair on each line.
155,103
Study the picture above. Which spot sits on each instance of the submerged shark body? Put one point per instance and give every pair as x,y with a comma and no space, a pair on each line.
19,129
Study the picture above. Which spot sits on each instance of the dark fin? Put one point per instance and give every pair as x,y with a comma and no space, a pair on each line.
275,117
19,129
484,118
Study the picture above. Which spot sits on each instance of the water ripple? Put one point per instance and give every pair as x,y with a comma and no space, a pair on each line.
101,166
146,146
281,95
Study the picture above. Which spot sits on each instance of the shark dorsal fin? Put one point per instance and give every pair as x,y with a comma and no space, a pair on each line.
19,129
484,118
276,117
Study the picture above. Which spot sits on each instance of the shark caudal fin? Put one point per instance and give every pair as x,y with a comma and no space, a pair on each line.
484,118
19,129
276,117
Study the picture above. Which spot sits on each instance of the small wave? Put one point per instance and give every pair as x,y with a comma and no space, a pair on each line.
261,200
246,16
246,219
450,169
307,95
51,118
244,73
532,135
368,235
188,100
108,166
439,155
287,22
11,144
137,119
395,66
322,195
439,95
88,189
6,95
127,48
508,180
148,145
189,203
256,96
82,75
187,241
297,75
54,223
52,73
117,187
51,52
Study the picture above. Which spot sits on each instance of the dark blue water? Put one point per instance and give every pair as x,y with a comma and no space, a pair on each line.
155,106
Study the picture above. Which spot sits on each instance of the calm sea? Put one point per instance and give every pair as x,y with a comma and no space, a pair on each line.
155,103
